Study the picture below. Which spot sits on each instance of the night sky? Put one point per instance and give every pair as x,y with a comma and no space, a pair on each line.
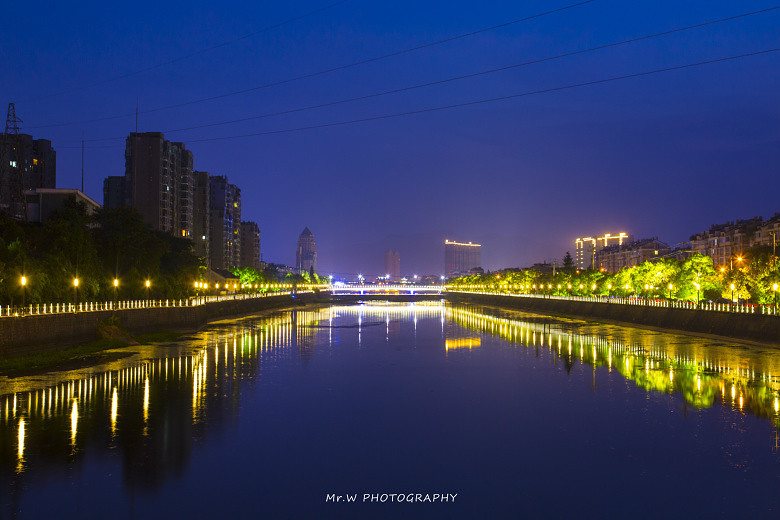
662,155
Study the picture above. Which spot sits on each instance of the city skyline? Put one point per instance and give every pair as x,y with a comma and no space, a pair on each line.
650,154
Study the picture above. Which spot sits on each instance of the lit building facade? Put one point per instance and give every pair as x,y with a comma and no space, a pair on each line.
727,242
614,258
393,265
28,164
224,223
586,248
461,257
306,252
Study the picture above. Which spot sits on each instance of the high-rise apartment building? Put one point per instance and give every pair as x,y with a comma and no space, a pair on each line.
28,164
393,265
306,252
224,223
586,248
461,257
201,205
250,245
115,192
159,182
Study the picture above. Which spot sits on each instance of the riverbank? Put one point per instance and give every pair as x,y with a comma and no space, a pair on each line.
746,327
46,333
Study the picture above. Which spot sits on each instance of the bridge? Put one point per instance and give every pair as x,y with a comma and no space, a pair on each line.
371,289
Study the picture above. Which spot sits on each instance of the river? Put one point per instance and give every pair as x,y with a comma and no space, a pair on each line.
382,410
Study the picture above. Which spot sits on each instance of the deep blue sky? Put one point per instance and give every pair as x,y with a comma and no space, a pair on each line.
663,155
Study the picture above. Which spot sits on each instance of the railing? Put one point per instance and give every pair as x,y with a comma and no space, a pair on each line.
767,310
7,311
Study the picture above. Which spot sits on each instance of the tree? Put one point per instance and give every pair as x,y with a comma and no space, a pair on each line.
568,263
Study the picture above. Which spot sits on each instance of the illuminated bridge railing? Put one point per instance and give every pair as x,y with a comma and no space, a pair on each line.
767,310
386,289
7,311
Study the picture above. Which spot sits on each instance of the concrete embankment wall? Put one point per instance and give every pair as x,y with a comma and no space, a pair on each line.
49,332
754,327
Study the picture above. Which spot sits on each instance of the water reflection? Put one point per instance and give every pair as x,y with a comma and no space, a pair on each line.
150,412
703,371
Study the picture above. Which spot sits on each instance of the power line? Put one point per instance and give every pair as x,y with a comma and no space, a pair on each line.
321,72
455,78
187,56
481,101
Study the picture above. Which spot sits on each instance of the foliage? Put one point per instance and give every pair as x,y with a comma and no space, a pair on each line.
95,250
693,279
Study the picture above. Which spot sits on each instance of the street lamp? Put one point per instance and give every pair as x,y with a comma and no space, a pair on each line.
76,289
697,292
148,284
670,292
774,288
116,288
732,293
24,289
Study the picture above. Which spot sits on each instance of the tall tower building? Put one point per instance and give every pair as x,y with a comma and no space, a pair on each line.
250,245
461,257
306,252
393,265
159,182
224,223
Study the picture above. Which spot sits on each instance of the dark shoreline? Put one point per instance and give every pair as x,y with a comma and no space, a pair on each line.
46,333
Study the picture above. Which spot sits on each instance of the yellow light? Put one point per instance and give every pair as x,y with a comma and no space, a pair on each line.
74,421
774,287
732,287
24,280
75,282
20,449
670,287
116,282
148,283
114,407
197,285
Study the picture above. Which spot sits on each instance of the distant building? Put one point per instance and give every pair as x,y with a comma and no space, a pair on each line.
222,280
461,257
393,265
306,252
614,258
544,268
28,164
41,203
727,242
224,223
115,192
250,245
159,182
201,216
586,248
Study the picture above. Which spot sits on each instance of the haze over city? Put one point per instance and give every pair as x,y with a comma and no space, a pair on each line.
665,154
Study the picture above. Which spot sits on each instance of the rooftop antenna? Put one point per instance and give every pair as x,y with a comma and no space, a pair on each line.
15,172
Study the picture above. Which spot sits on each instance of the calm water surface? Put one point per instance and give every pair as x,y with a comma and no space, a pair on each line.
519,415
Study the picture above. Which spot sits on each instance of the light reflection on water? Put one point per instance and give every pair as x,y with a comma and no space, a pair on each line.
152,409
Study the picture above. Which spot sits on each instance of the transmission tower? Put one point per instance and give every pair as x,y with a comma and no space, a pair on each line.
12,168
